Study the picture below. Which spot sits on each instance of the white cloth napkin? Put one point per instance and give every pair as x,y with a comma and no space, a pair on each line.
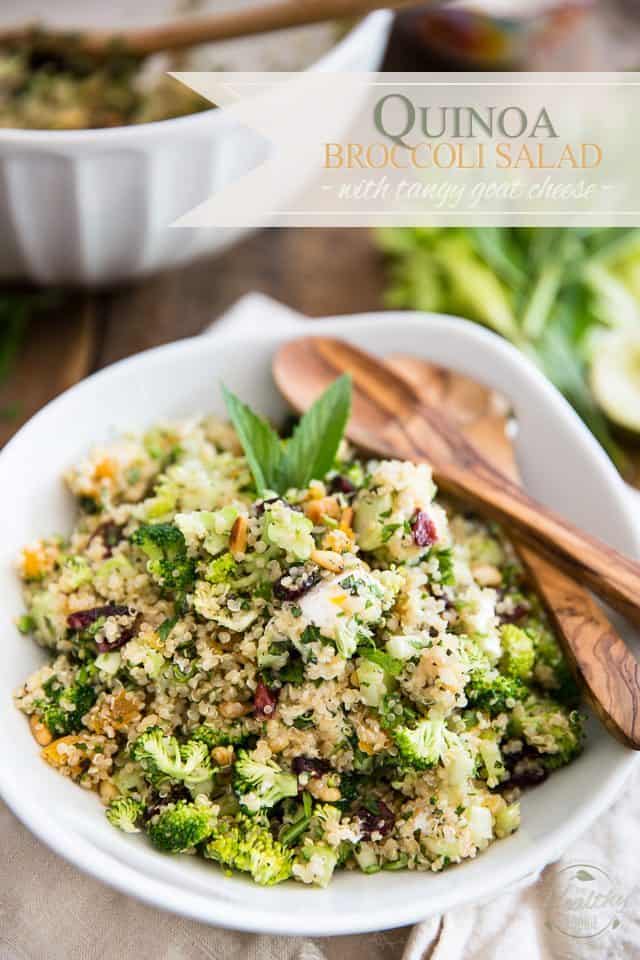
50,911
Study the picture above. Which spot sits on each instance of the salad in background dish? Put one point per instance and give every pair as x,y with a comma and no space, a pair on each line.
569,298
288,660
66,90
48,88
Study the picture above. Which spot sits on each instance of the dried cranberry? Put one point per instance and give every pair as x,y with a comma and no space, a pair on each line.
292,587
525,769
157,802
423,529
340,484
311,765
264,701
110,534
262,505
526,774
126,634
516,615
84,618
382,821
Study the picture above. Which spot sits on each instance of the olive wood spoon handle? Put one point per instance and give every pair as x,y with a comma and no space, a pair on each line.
389,418
181,34
603,664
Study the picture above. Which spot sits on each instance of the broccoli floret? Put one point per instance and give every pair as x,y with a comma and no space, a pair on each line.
205,733
289,530
163,758
352,786
315,863
222,569
261,784
396,711
421,747
124,813
493,768
493,692
166,549
182,826
374,682
446,566
507,820
25,624
246,844
197,770
518,655
130,781
555,732
64,707
551,669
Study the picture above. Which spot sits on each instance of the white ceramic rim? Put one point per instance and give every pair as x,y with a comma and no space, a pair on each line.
331,60
73,847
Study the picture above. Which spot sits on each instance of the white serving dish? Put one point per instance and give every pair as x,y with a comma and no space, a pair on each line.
562,465
93,207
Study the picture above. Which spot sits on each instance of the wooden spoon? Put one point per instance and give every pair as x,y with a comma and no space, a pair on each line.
144,41
389,418
598,654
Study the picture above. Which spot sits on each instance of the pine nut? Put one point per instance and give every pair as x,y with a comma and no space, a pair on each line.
108,791
346,520
328,560
223,756
325,507
486,575
40,731
321,791
232,709
238,538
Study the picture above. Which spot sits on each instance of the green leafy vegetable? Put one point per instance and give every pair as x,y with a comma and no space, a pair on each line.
389,664
553,292
16,310
278,465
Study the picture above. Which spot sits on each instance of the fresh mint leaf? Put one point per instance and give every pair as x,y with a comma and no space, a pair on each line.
312,449
446,566
388,531
389,664
260,442
166,627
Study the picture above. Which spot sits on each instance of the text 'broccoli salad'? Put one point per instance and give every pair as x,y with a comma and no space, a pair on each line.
287,660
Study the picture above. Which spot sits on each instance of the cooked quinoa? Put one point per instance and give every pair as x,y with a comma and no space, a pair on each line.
352,675
47,86
41,89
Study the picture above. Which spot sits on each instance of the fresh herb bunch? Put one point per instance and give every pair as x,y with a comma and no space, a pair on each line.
16,310
14,315
553,292
279,465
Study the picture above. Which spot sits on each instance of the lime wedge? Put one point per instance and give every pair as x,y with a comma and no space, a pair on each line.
615,377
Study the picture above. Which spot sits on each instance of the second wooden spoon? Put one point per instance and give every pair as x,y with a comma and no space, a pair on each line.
610,675
182,34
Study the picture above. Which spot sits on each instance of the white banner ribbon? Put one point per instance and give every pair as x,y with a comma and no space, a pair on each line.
423,150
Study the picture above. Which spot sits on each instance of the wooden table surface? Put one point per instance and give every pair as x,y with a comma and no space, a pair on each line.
318,272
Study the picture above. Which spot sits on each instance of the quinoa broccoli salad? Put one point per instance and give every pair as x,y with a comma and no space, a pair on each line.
287,660
46,85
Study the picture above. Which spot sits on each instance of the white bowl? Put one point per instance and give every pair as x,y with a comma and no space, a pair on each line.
93,207
563,465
